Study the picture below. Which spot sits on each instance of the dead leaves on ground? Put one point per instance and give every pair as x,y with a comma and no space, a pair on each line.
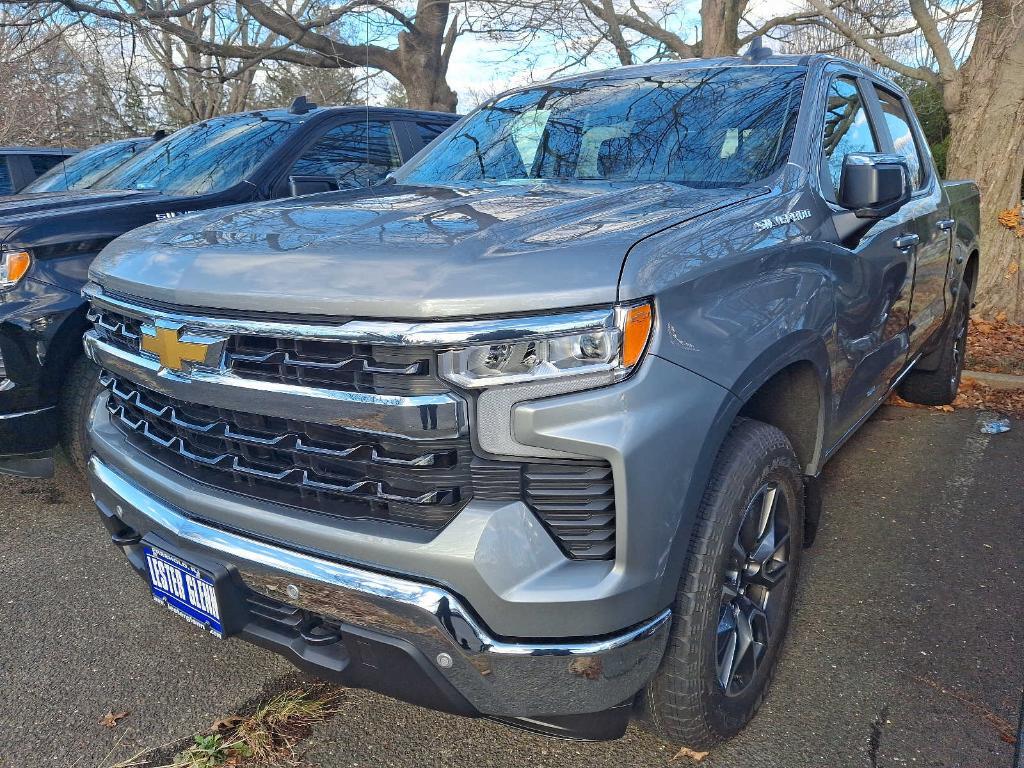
270,736
993,346
974,394
112,718
690,754
996,346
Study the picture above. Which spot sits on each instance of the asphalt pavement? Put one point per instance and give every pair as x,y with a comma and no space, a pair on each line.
906,648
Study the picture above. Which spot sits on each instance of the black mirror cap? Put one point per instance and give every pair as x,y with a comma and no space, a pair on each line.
874,186
311,185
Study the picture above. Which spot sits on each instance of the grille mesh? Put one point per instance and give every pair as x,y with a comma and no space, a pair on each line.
333,365
577,503
574,500
318,467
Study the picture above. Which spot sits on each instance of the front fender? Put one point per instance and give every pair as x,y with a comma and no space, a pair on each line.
41,329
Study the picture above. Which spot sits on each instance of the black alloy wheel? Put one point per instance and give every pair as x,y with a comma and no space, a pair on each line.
758,564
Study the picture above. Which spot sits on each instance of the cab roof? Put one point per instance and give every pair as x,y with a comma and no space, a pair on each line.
22,150
285,114
669,68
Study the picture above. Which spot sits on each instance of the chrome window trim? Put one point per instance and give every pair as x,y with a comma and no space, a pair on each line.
438,334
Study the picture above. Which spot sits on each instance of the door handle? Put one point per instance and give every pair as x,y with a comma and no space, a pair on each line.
945,224
903,242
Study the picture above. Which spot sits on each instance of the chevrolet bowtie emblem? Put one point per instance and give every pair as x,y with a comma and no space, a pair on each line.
174,348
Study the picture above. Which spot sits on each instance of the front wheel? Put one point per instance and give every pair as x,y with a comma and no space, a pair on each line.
81,388
734,599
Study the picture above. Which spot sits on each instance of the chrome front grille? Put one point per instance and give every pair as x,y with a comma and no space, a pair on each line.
326,364
121,330
333,364
327,419
319,467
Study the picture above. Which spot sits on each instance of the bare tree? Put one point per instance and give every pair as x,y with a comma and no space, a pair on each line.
660,30
411,41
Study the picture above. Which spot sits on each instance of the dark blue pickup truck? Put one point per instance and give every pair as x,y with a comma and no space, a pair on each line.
47,241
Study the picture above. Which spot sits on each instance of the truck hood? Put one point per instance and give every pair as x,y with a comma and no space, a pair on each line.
405,252
15,206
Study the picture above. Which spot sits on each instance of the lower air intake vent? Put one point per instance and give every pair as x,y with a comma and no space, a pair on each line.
577,503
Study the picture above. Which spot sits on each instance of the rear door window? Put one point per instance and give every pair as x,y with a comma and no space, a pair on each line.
355,154
847,129
42,163
902,135
429,131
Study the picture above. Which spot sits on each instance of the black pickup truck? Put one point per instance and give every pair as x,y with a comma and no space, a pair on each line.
47,241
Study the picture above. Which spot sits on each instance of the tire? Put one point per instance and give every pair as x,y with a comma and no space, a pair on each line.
696,698
81,388
939,387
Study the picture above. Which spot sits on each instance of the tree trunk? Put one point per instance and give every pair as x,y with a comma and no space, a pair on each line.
719,27
424,74
987,145
422,57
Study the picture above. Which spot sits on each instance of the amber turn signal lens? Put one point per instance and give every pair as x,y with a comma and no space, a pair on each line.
13,266
636,331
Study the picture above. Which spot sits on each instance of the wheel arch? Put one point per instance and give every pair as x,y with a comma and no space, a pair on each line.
65,344
773,389
787,386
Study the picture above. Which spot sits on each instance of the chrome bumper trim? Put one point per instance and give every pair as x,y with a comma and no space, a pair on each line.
388,332
33,412
415,417
497,677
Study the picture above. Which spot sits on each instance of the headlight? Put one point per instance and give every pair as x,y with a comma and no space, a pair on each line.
13,266
606,341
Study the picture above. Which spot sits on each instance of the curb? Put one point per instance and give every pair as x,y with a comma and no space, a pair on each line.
996,380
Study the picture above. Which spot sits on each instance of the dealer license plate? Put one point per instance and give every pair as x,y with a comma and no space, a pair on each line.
184,589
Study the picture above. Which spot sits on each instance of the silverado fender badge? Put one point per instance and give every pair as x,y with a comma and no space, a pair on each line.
172,214
784,218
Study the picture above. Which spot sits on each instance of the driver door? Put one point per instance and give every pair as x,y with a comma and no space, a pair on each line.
874,278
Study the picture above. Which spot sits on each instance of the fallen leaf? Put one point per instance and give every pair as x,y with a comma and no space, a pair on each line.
227,723
691,754
945,408
112,718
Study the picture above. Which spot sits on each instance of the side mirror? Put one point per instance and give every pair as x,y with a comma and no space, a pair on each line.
310,185
874,186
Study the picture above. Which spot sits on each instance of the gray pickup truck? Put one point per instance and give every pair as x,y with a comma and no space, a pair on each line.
532,431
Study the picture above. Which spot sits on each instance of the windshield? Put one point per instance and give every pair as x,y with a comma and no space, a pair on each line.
86,168
205,157
723,127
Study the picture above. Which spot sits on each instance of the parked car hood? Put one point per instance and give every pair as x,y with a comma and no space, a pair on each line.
15,206
405,252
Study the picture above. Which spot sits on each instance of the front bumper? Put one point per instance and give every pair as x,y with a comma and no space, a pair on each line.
405,638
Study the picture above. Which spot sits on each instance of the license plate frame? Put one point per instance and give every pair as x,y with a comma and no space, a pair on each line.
184,589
